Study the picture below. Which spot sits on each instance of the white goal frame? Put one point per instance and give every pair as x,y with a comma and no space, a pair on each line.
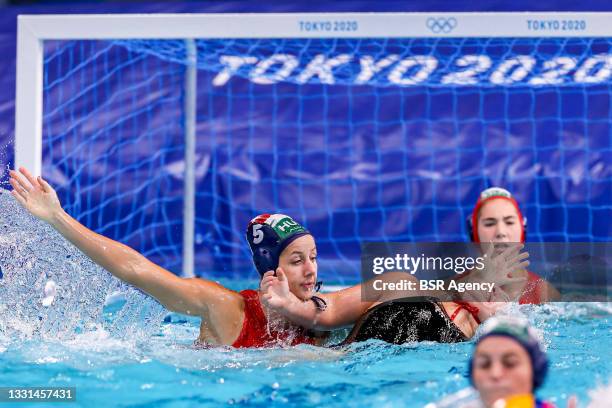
33,30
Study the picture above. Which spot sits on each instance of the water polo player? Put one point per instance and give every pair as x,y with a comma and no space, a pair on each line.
509,365
279,245
228,317
398,316
497,218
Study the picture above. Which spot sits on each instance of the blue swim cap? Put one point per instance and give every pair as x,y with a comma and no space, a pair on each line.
268,235
522,333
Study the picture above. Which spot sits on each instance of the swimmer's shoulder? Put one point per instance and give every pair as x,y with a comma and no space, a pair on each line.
222,313
215,289
545,290
215,299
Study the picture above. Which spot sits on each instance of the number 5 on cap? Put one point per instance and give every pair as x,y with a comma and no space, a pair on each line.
258,235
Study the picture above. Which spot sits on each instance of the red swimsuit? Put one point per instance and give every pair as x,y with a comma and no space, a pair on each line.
533,290
531,296
255,331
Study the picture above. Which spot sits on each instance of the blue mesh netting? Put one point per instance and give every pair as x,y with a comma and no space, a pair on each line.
113,143
401,155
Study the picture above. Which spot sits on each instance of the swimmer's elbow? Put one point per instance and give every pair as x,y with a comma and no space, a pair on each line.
180,296
142,273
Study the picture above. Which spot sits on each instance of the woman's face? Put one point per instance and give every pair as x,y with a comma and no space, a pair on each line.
299,262
498,221
501,368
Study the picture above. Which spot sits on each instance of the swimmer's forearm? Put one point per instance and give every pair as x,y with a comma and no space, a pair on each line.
117,258
306,314
196,297
343,309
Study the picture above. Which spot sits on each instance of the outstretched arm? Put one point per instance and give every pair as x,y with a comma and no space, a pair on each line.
345,307
188,296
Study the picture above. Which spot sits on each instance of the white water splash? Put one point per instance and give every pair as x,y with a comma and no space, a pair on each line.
50,290
601,397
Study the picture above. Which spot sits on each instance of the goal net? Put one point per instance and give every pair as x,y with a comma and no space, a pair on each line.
360,138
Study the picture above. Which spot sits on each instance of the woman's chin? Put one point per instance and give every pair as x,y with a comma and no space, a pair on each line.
489,398
304,294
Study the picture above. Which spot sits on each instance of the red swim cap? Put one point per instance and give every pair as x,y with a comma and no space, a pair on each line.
488,195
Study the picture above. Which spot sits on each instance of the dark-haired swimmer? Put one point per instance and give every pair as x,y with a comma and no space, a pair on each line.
395,317
509,365
506,369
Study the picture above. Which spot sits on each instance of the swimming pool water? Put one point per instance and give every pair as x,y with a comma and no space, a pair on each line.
164,369
129,354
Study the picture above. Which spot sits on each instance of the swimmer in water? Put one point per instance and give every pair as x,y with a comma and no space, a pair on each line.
509,365
228,317
399,316
497,218
281,248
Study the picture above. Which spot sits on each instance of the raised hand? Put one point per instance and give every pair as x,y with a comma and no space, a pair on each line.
35,194
501,267
275,290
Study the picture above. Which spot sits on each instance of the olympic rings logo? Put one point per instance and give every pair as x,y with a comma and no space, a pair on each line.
441,25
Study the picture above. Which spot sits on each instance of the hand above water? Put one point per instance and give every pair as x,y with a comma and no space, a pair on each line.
275,290
500,267
35,194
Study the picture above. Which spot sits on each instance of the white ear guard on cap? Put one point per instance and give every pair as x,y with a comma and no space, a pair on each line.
490,193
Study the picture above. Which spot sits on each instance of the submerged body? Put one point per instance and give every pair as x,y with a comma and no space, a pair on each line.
407,320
